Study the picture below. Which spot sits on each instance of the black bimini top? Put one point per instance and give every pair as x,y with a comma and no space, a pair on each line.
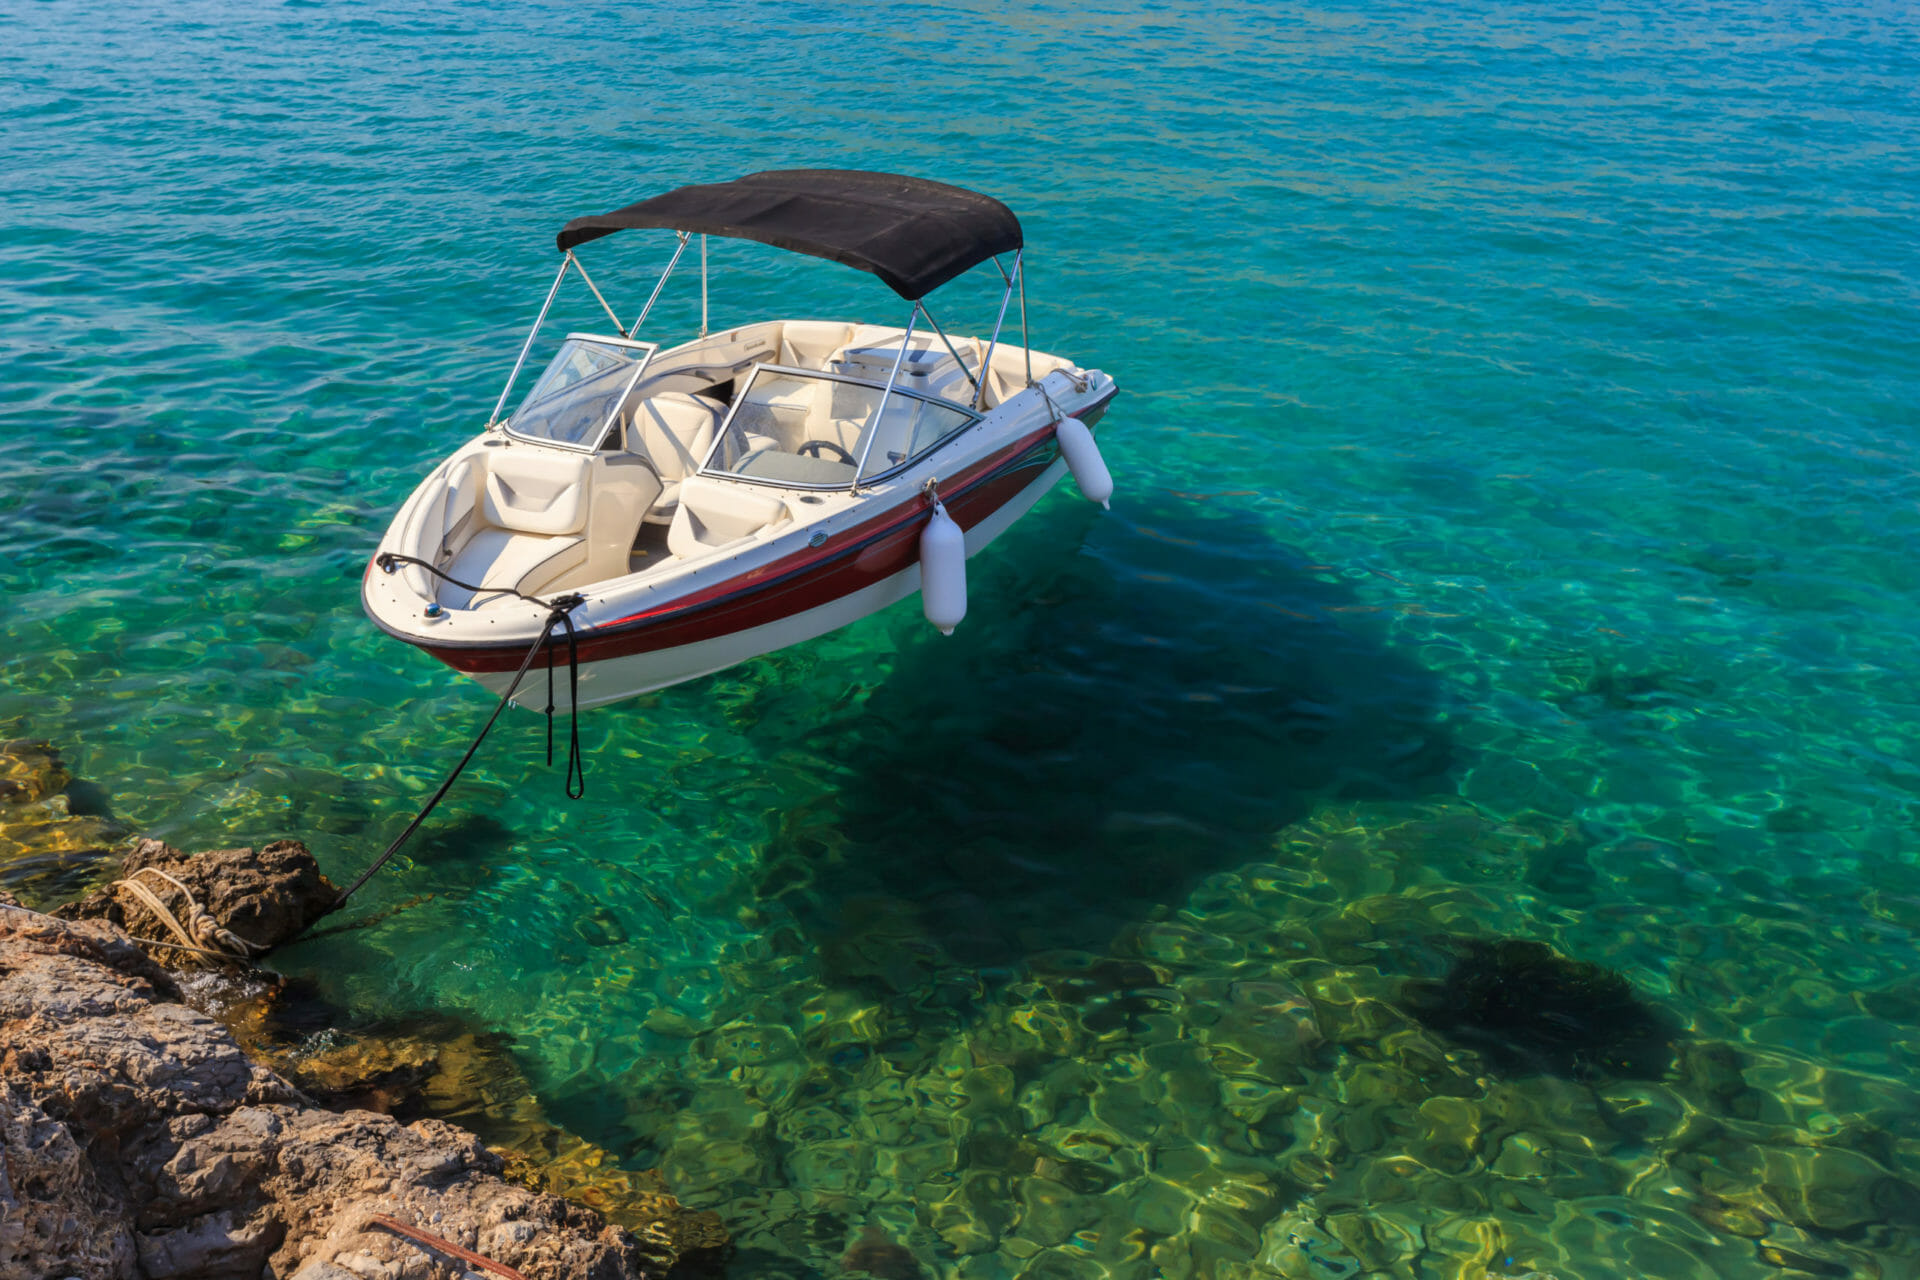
914,234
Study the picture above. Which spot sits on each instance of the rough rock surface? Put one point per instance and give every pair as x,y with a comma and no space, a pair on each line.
141,1144
267,898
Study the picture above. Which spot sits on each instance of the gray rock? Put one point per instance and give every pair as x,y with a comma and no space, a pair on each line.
138,1141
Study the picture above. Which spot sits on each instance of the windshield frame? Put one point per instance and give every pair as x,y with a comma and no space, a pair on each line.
709,469
595,439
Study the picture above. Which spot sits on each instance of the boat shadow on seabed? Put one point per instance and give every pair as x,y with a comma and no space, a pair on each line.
1136,702
1109,728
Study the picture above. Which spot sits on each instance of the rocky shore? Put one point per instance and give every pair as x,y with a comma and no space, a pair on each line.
139,1140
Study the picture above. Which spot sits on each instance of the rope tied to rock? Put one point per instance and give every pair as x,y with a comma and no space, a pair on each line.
199,932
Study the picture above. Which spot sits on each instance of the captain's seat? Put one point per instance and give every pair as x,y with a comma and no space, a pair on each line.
674,430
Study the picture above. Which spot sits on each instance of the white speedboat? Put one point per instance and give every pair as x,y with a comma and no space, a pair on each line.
661,513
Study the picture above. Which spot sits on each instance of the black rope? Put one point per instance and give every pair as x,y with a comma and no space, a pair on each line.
563,605
576,768
559,613
386,561
370,919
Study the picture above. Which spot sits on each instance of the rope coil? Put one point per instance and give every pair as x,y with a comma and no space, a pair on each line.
200,932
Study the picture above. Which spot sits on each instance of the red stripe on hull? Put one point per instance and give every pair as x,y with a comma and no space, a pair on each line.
860,557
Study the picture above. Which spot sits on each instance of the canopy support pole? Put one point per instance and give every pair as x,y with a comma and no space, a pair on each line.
980,386
1026,341
927,311
703,285
660,284
528,344
879,415
581,268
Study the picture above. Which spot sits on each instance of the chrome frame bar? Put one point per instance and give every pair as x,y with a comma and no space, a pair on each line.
1004,277
1026,339
581,268
880,414
974,382
703,285
980,386
528,344
660,284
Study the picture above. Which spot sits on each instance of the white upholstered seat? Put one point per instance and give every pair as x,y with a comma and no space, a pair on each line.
535,491
674,431
718,512
502,560
533,518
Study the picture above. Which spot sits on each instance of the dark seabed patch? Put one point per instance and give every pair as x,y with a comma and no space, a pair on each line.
1531,1010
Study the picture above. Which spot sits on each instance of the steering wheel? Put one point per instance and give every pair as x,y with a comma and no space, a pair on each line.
818,445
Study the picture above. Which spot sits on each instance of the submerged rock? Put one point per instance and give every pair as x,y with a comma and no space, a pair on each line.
1531,1011
872,1254
436,1066
139,1140
55,833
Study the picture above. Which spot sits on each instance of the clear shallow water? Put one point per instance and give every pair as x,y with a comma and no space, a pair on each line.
1517,537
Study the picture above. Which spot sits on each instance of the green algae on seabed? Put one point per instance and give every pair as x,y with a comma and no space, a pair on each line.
1237,1091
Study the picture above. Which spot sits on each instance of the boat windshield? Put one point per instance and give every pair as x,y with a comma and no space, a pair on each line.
811,430
581,389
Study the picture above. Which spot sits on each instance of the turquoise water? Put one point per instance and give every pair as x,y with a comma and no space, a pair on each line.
1517,537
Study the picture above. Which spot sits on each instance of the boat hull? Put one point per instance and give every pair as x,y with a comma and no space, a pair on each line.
685,643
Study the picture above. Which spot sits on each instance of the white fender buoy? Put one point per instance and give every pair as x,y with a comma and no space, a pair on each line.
943,571
1084,460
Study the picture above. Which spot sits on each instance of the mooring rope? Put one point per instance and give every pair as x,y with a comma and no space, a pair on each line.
369,920
201,934
559,613
576,768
